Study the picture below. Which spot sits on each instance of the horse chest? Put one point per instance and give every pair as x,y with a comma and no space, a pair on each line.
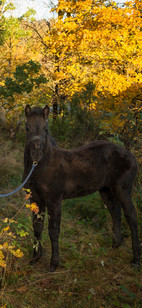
49,182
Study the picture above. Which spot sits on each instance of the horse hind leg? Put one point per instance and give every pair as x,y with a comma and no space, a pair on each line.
131,217
115,211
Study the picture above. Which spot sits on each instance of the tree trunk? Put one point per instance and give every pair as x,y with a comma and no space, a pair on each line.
55,102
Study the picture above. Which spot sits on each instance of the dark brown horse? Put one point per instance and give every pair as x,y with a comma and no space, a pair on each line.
62,174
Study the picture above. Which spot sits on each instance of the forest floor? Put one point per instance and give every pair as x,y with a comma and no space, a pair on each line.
91,273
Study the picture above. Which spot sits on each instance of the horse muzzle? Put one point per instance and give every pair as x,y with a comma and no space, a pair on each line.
36,155
36,148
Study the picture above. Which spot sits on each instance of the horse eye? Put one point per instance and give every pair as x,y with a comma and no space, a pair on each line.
27,129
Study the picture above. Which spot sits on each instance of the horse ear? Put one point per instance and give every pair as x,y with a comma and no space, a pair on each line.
46,112
27,111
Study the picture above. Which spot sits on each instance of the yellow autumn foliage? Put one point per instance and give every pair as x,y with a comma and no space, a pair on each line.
33,207
2,261
102,44
88,42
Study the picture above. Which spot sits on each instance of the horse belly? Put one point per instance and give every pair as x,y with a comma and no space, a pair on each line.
78,193
82,186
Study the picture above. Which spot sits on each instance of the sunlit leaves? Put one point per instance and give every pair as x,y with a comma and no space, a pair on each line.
33,207
107,39
9,232
7,238
102,44
88,42
2,258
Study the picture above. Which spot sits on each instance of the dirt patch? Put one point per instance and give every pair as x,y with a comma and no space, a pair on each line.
8,161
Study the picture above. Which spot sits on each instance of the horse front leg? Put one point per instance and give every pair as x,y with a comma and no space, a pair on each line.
38,224
54,214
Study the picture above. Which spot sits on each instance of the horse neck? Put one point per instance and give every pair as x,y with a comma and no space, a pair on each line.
49,148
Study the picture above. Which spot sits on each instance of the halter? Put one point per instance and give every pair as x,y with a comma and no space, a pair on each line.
34,138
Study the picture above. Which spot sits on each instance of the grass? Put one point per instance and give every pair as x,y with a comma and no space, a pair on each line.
91,273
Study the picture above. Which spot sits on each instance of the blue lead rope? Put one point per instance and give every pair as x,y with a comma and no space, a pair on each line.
18,188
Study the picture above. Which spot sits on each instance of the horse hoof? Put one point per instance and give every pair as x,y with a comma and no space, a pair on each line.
52,268
116,244
136,264
34,261
37,253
